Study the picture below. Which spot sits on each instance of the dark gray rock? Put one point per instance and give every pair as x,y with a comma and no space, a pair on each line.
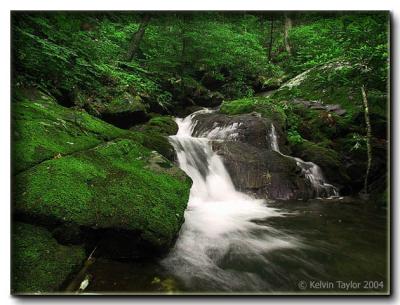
261,172
332,107
340,111
246,128
316,105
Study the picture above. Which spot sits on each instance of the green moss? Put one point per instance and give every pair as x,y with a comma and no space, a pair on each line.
165,125
154,135
110,186
43,129
68,171
328,159
39,263
323,83
241,106
265,106
125,103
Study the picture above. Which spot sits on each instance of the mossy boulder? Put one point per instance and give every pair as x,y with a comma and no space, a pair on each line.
39,263
43,129
72,170
323,84
164,125
262,105
122,111
328,159
154,135
112,186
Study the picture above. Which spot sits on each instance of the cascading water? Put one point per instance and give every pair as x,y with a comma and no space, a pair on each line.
220,246
311,171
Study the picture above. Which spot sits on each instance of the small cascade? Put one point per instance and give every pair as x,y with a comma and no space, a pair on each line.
311,171
220,222
274,139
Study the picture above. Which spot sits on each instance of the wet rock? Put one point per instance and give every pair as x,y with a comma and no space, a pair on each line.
326,158
246,128
261,172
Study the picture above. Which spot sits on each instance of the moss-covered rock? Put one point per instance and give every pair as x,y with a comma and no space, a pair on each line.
165,125
263,105
322,83
39,263
113,185
76,171
43,129
154,135
328,159
124,111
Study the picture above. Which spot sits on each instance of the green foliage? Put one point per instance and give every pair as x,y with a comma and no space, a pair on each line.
226,52
40,264
294,137
75,52
361,39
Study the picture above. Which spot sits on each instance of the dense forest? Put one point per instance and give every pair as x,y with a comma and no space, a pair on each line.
94,96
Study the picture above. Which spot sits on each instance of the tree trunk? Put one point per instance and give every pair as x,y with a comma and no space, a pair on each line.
369,135
271,38
288,26
183,63
137,38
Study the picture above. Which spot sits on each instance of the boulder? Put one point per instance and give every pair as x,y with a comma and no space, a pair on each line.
78,173
42,129
40,264
326,158
262,105
124,111
246,128
115,186
249,128
155,132
261,172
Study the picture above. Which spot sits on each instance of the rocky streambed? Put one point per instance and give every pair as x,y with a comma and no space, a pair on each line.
228,204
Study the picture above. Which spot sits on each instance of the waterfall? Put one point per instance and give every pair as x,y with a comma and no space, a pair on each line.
274,139
311,171
220,241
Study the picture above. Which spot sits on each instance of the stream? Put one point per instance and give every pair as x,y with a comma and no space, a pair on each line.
231,242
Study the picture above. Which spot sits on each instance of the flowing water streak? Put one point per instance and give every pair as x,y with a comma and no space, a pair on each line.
220,247
311,171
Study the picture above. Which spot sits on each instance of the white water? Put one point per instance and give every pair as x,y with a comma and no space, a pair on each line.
311,171
220,247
